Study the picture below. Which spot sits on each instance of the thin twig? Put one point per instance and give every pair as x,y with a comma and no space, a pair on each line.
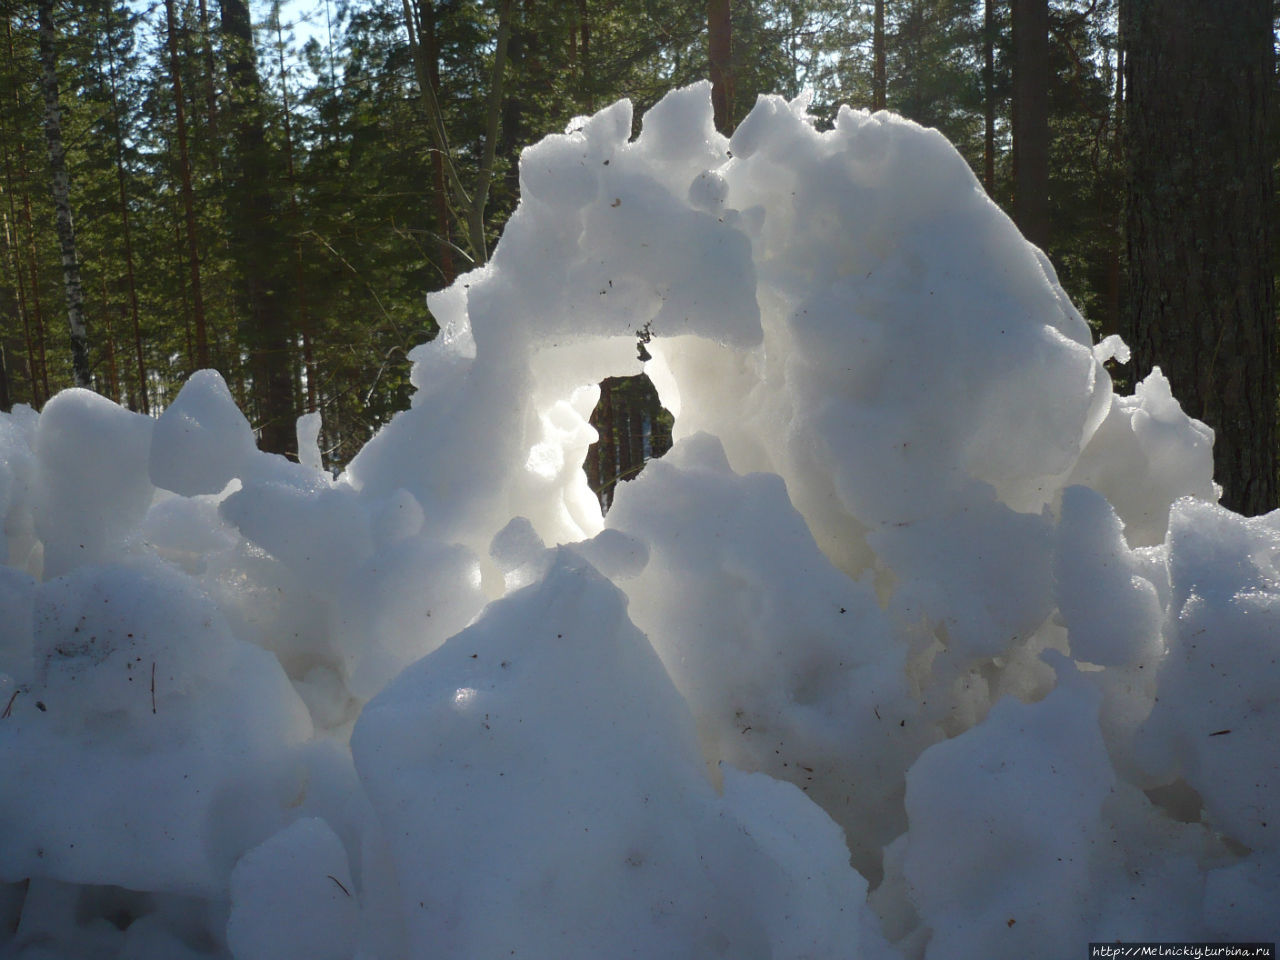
339,883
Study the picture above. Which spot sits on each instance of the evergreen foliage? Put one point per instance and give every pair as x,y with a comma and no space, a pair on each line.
320,212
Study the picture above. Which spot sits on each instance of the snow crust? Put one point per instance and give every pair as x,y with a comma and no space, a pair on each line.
920,642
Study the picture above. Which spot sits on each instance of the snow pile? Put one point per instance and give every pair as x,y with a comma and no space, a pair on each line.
919,643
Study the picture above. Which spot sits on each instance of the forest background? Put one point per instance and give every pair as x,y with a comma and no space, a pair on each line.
271,192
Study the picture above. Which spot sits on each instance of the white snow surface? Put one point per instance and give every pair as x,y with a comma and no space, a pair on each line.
921,642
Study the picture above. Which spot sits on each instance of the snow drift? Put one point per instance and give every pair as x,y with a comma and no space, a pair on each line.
919,643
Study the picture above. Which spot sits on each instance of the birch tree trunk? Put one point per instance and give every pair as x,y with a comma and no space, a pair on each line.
61,189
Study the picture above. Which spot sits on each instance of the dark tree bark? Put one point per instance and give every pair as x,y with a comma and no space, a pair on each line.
210,72
61,190
989,97
608,451
1031,119
257,242
1112,321
188,197
6,400
40,369
880,72
1200,204
622,432
719,56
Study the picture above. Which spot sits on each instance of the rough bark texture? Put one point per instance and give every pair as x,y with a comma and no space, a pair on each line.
1200,204
1031,119
61,190
719,50
256,239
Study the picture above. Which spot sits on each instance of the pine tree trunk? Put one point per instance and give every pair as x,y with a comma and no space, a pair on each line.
493,117
608,444
719,55
989,97
61,190
1112,319
188,196
1031,119
622,432
880,72
1199,215
113,374
443,219
6,398
256,240
41,371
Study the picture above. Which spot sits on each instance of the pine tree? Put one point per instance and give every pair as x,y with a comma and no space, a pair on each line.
1200,208
257,242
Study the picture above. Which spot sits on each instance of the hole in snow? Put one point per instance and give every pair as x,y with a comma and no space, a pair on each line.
634,428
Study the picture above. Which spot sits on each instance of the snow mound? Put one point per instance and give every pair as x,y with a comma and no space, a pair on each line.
920,642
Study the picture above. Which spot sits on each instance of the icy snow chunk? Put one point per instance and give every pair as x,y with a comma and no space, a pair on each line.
980,571
1145,455
678,137
1113,613
92,485
319,534
819,903
292,897
399,605
399,517
539,780
1012,806
614,553
308,432
1240,901
1111,348
17,595
147,716
187,531
202,440
1215,720
788,666
17,470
